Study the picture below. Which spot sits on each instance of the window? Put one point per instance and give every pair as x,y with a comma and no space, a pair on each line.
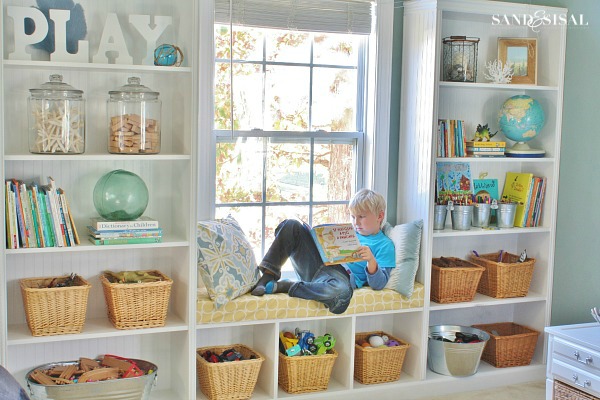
290,111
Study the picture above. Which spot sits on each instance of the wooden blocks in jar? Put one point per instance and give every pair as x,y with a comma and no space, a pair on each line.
131,133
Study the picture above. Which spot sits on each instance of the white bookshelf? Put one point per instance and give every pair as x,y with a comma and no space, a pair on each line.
171,177
425,99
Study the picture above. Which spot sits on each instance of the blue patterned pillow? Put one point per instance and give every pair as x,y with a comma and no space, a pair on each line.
226,262
407,240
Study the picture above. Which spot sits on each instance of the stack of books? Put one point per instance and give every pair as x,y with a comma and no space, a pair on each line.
528,192
486,149
38,216
138,231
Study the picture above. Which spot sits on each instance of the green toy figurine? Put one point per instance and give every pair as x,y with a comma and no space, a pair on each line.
483,134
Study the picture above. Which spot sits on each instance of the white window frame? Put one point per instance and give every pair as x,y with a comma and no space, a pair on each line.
375,159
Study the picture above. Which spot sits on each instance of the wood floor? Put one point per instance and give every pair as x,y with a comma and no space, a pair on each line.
524,391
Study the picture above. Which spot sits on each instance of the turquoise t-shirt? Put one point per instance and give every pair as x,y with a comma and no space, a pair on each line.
382,248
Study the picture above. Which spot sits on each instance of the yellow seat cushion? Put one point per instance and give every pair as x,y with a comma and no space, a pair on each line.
282,306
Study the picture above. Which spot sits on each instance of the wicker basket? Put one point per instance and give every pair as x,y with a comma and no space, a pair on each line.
379,364
137,305
228,380
562,391
507,278
57,310
510,344
454,280
304,374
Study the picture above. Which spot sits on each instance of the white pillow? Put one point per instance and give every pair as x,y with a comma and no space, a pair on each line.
407,240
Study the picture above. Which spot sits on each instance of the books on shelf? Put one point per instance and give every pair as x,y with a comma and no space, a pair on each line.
337,243
38,216
485,149
453,182
139,231
451,138
528,192
139,223
125,240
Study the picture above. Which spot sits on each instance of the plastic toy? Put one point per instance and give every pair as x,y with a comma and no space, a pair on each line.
324,343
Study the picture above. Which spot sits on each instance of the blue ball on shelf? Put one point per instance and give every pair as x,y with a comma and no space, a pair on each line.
120,196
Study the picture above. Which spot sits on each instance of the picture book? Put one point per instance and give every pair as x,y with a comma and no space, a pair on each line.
517,189
453,182
337,243
485,190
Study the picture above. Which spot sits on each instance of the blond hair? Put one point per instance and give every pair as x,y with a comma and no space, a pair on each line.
367,200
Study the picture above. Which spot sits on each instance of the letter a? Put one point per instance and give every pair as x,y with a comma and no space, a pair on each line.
113,41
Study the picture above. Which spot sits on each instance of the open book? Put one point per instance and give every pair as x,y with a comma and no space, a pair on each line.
337,243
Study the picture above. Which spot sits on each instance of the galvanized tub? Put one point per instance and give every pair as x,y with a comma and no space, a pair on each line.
506,215
439,217
481,215
461,217
135,388
454,359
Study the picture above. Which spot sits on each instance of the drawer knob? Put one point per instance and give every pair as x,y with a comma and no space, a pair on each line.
583,384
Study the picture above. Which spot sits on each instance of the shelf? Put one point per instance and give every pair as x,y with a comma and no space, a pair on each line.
548,160
86,246
496,86
449,232
481,300
93,67
93,329
488,371
96,157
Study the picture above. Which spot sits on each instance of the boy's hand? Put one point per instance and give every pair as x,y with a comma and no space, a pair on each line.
365,253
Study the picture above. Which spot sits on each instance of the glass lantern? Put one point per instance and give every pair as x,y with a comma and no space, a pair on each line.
134,119
460,59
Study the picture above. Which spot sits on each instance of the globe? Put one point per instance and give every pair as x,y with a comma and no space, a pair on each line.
521,118
120,196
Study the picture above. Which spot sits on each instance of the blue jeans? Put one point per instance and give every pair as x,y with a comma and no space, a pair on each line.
328,284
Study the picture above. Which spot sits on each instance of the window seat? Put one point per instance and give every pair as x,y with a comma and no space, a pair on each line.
281,306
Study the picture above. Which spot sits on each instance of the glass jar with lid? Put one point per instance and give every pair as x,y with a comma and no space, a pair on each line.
56,118
134,119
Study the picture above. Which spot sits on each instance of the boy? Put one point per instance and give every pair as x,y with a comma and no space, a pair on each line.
331,285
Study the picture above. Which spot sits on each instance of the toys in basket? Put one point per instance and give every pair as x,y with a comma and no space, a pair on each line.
506,275
228,372
136,299
305,361
89,379
454,280
378,357
55,305
510,344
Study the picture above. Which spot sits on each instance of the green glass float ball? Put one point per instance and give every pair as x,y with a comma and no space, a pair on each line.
120,196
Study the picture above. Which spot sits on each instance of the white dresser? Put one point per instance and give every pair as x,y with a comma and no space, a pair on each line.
574,359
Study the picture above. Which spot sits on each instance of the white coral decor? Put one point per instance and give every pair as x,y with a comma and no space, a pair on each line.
498,73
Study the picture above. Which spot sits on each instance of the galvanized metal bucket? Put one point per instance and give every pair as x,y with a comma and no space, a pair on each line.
506,215
136,388
454,359
461,217
439,217
481,215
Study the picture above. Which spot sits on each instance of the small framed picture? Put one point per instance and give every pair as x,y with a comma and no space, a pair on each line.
521,53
